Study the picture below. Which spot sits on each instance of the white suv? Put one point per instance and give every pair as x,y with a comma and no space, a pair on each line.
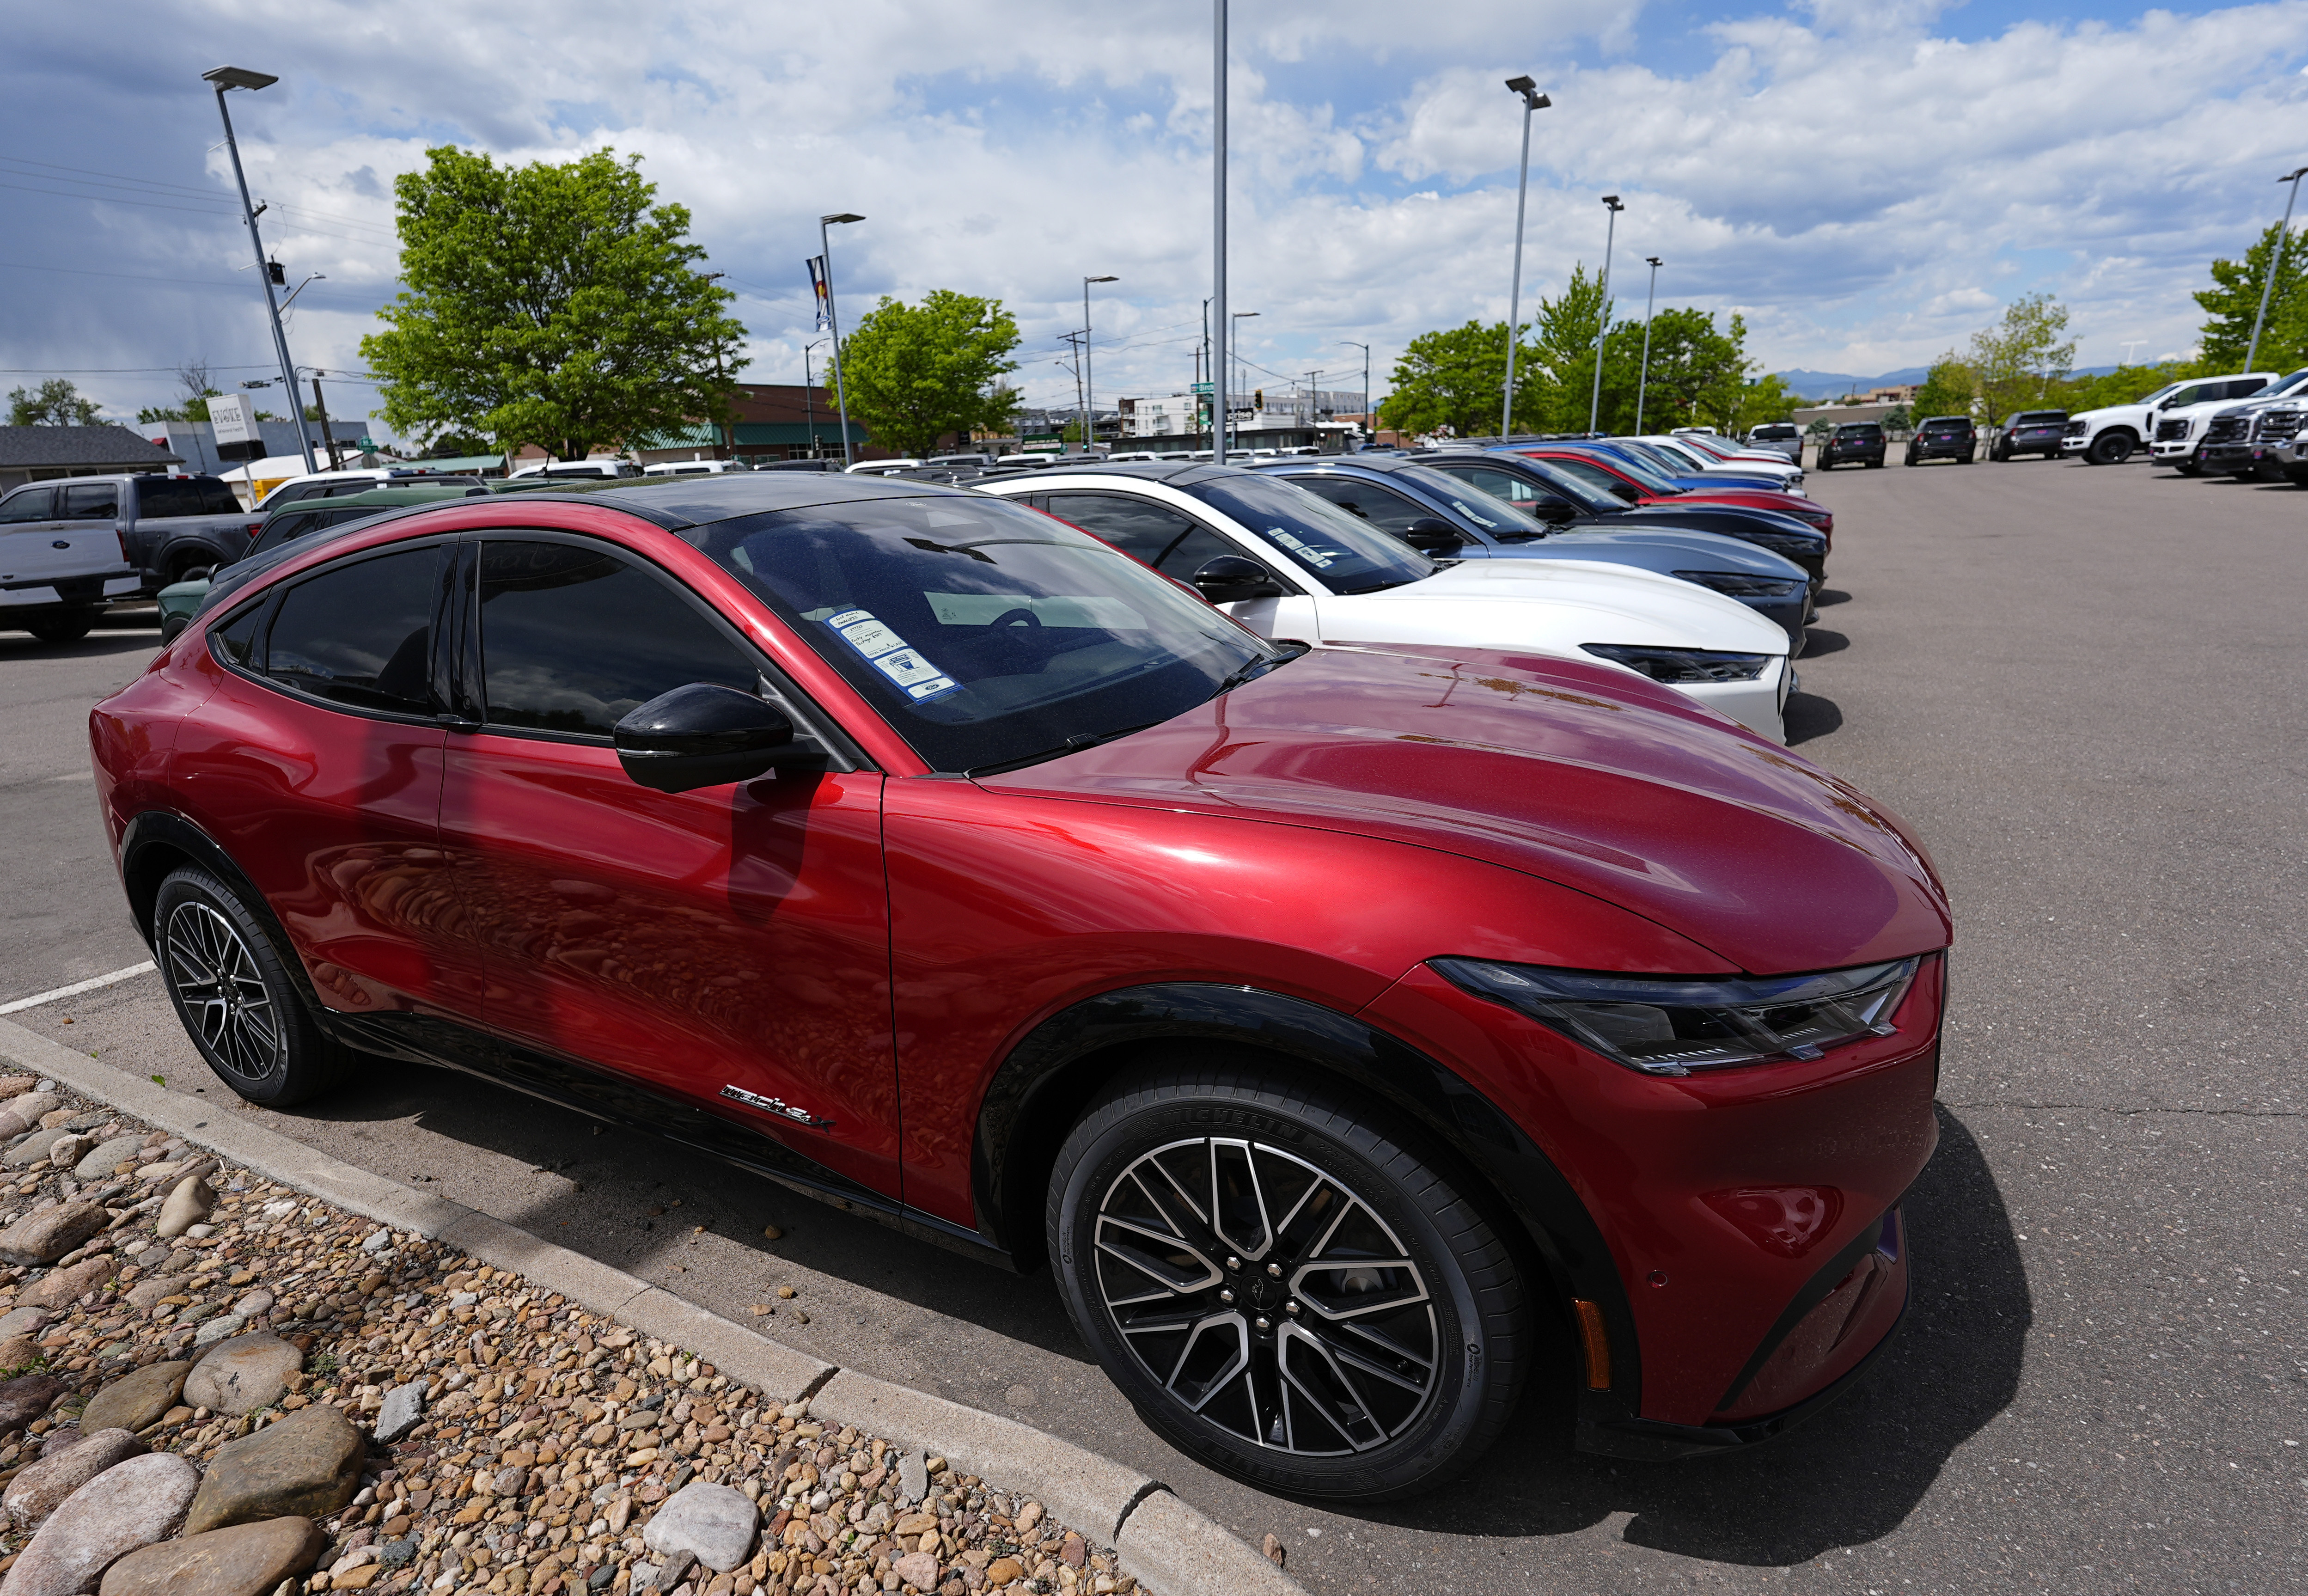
2111,435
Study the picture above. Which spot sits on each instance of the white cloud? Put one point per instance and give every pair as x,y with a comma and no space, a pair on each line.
1863,186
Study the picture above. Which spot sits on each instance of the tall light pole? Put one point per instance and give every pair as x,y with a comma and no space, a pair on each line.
1643,381
809,395
2283,233
1595,406
833,325
1235,344
1090,392
1217,225
1532,100
226,79
1370,430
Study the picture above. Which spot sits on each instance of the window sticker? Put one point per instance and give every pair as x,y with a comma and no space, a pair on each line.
1321,559
892,655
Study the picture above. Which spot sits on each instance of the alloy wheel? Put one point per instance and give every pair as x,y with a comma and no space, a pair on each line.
1267,1297
218,981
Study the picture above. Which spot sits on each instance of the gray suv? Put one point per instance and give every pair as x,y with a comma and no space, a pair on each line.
1783,437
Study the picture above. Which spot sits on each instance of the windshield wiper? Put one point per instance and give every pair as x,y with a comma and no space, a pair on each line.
1250,671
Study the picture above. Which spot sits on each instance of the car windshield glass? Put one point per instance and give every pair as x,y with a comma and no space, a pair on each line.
2296,380
1487,510
1572,486
985,633
1344,555
1859,429
1646,478
2039,418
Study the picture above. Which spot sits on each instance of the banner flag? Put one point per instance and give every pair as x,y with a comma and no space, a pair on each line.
816,264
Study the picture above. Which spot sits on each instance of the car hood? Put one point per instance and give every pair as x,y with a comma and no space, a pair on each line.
1686,550
1551,604
1566,772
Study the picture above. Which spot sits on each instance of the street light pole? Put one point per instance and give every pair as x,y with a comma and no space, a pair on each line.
1532,100
809,395
833,325
1219,329
1644,380
1595,406
2283,233
1370,429
1089,390
224,79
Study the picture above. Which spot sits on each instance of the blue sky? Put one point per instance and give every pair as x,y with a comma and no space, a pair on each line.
1866,183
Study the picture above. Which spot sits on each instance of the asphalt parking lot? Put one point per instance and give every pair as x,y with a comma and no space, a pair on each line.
2088,689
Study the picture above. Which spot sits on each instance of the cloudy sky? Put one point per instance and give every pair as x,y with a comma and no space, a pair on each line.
1866,182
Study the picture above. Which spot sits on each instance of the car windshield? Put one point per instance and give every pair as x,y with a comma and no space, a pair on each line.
2039,418
2293,383
1645,476
1487,510
1858,429
985,635
1594,501
1345,555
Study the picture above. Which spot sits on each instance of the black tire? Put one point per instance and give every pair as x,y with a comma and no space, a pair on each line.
2110,448
1332,1173
68,625
1824,465
2000,455
225,973
172,628
184,563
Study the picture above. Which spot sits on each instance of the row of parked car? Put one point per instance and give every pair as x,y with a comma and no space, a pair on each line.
1350,917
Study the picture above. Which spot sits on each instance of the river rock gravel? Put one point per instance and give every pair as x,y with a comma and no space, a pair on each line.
532,1445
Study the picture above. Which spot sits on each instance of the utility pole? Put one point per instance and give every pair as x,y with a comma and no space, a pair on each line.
328,439
833,325
1081,404
1370,422
1595,408
225,79
809,395
1532,100
1217,325
1643,381
2275,260
1090,392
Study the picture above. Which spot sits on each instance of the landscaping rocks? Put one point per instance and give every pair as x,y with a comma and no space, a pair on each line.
136,1399
131,1504
245,1560
189,1204
102,1159
40,1490
713,1522
308,1463
26,1111
516,1444
49,1235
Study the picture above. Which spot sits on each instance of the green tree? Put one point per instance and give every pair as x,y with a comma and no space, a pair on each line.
2126,385
550,304
1454,377
2233,300
195,391
2014,362
1949,388
54,403
917,372
1560,392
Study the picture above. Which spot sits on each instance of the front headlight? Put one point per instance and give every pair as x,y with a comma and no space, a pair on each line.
1682,667
1671,1025
1789,544
1737,585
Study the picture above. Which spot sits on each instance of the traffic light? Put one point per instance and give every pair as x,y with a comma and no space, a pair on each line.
1258,399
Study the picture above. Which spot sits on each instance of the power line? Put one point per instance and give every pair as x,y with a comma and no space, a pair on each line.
121,179
84,371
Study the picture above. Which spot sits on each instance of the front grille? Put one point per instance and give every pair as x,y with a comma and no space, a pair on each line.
2228,429
2276,426
2170,432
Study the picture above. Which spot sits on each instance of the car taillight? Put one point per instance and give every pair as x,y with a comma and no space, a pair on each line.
124,543
254,527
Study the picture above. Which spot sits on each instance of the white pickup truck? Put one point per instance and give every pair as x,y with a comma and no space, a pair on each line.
2114,432
62,557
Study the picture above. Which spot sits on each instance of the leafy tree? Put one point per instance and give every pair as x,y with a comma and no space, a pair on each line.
1455,379
1949,388
2126,385
1897,420
917,372
550,304
1561,394
1763,399
54,403
2014,362
193,384
2234,300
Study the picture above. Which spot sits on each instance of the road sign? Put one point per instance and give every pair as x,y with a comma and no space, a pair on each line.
1204,389
229,413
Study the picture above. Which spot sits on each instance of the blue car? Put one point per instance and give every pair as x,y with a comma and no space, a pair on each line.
1677,472
1448,518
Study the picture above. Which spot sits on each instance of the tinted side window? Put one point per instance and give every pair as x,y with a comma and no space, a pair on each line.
1594,475
93,501
1171,542
575,638
1381,506
361,634
1503,485
233,643
2244,387
34,504
216,498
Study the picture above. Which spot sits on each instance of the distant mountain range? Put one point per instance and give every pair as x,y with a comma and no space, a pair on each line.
1831,385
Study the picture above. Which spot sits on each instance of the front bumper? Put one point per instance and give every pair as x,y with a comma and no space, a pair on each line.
1954,451
2175,449
1758,705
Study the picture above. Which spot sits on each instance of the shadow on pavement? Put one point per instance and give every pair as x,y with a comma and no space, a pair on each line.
1854,1472
1818,642
1809,716
20,645
1828,595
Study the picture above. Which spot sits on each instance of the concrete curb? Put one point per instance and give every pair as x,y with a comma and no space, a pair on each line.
1175,1549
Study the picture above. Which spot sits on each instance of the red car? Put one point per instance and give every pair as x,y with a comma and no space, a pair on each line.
1624,479
1363,1034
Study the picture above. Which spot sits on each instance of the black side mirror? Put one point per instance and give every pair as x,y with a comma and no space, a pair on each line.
1231,577
1627,491
705,735
1431,534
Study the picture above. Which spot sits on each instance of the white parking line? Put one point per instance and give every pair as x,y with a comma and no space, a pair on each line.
37,998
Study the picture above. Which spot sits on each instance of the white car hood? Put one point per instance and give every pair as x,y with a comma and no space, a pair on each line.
1552,606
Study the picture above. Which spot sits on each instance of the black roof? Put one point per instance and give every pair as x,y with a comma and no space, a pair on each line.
37,448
